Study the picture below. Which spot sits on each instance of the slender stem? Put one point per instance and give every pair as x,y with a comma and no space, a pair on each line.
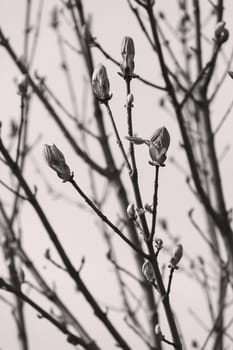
22,107
67,72
198,26
105,219
167,306
134,173
155,203
118,136
172,270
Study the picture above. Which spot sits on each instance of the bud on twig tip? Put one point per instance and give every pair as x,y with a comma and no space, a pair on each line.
100,83
127,53
176,257
56,160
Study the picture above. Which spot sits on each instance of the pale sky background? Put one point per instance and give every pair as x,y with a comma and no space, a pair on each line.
76,229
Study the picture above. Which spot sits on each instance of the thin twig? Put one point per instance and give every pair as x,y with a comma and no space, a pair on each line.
134,173
119,142
13,191
155,203
172,270
105,219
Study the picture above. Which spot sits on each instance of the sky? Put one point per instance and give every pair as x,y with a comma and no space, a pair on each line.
111,21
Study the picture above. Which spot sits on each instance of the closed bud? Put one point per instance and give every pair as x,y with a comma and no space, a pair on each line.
131,212
148,271
56,160
100,83
159,243
158,332
219,27
130,99
149,208
157,329
221,33
158,145
177,255
127,48
128,53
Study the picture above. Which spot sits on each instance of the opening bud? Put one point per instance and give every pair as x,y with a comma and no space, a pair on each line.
148,271
100,83
158,145
56,160
177,255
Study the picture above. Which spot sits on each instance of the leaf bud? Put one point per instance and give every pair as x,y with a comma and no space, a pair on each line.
148,271
158,145
56,160
100,83
149,208
177,255
157,329
130,99
128,53
159,243
158,332
221,33
131,212
127,48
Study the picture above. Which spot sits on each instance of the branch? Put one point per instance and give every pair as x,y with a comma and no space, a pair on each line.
71,337
50,109
65,259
